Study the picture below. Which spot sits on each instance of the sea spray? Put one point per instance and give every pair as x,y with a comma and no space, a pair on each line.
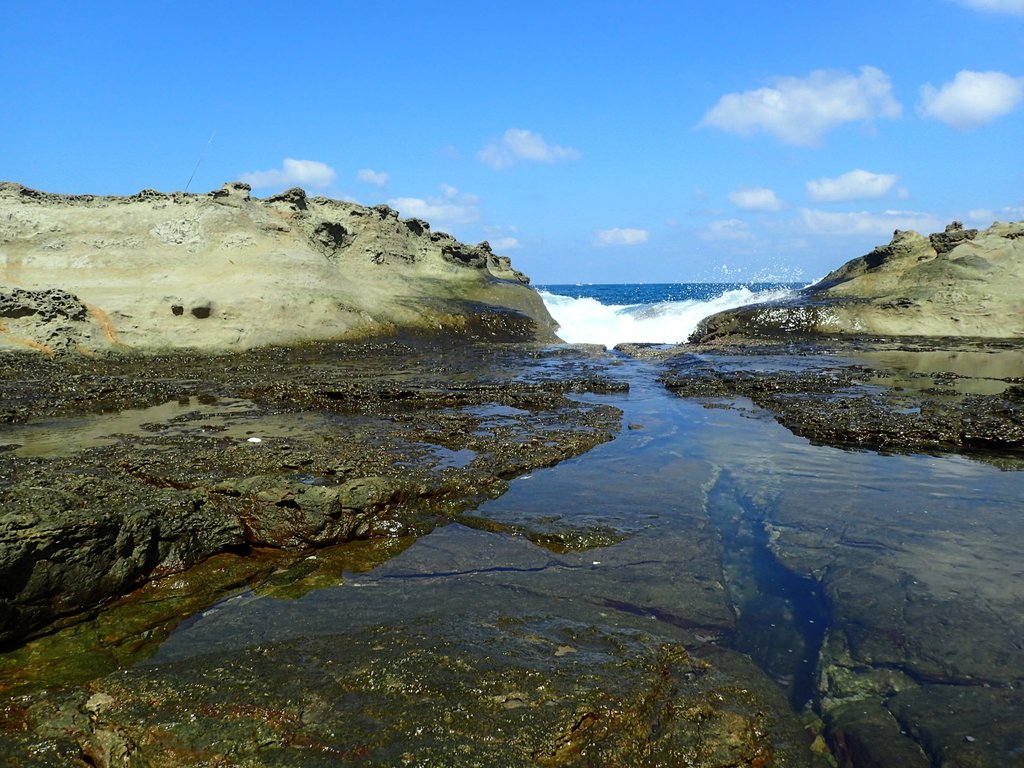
646,313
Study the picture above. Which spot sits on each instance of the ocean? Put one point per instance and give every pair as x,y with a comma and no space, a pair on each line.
655,313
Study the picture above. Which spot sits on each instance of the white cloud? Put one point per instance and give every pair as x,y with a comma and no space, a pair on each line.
518,144
986,215
727,229
504,244
802,110
855,185
997,6
377,178
755,199
502,237
882,223
450,209
301,173
617,236
972,98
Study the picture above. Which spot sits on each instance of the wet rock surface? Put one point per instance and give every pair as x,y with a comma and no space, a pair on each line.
294,450
900,395
504,693
521,663
789,557
921,660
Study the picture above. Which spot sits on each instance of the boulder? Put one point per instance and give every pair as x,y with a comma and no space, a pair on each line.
958,283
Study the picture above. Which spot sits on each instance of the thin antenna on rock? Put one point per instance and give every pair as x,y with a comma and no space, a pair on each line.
200,160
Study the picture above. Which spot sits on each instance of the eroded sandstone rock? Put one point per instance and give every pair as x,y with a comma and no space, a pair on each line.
961,283
225,271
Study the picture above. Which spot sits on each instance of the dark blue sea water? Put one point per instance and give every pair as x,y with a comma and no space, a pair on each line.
661,313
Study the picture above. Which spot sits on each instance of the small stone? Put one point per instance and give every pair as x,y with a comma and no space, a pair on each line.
255,440
98,702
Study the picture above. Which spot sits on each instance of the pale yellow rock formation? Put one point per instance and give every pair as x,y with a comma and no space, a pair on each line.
958,283
224,271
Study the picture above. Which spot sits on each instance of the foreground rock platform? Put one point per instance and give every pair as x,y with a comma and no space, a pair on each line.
920,662
118,471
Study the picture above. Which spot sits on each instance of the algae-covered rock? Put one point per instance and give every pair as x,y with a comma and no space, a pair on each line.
279,513
129,469
488,689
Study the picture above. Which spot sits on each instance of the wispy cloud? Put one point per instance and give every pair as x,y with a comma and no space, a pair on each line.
756,199
855,185
727,229
504,244
302,173
988,215
519,145
802,110
882,223
450,208
377,178
502,238
617,236
972,98
1015,7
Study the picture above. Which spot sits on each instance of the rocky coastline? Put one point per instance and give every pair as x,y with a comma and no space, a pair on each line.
201,445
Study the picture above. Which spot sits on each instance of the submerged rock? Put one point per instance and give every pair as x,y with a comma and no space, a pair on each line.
431,658
956,283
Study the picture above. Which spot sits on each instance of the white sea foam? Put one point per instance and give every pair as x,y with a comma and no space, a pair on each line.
588,321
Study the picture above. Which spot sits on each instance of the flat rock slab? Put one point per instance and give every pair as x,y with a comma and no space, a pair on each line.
413,665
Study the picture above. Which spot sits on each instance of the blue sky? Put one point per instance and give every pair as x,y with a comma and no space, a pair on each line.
589,141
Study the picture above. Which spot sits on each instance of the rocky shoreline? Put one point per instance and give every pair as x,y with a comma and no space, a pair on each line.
372,445
364,449
241,463
899,395
300,551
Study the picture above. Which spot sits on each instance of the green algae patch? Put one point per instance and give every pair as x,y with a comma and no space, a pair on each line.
129,629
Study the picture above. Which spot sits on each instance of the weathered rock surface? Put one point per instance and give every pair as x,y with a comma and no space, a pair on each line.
956,283
522,666
224,271
291,449
917,569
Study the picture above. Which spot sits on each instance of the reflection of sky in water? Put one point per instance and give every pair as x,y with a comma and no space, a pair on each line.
973,372
721,515
233,419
